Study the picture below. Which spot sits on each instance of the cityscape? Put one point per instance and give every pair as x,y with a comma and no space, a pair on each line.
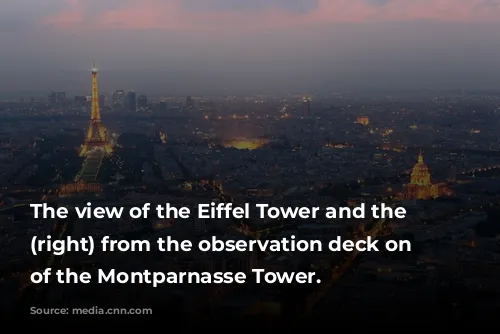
312,104
436,156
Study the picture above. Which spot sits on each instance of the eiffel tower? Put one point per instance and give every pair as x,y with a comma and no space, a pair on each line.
97,137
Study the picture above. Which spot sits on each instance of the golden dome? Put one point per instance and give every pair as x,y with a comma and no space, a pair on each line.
420,168
420,174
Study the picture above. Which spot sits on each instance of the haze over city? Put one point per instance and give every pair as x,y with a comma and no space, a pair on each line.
243,47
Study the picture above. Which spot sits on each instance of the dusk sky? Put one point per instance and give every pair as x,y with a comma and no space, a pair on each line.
200,46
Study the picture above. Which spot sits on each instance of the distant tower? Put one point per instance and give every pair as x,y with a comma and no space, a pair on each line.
52,99
118,97
96,134
142,101
61,99
307,110
131,101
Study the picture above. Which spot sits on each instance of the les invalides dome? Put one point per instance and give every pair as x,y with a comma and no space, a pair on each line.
420,175
420,186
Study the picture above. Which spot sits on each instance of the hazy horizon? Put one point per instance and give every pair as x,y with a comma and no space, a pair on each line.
207,47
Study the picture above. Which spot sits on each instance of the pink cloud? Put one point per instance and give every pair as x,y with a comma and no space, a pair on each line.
144,14
67,18
442,10
171,15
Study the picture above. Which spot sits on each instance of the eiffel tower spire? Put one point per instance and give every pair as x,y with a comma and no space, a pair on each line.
96,137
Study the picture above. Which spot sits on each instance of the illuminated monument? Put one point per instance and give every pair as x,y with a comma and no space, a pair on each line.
97,137
95,149
420,186
363,120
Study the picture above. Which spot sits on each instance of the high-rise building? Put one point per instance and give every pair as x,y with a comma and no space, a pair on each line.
189,102
131,101
80,101
52,99
118,97
142,102
61,99
307,106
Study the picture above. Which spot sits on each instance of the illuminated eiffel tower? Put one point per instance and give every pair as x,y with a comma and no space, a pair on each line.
97,137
